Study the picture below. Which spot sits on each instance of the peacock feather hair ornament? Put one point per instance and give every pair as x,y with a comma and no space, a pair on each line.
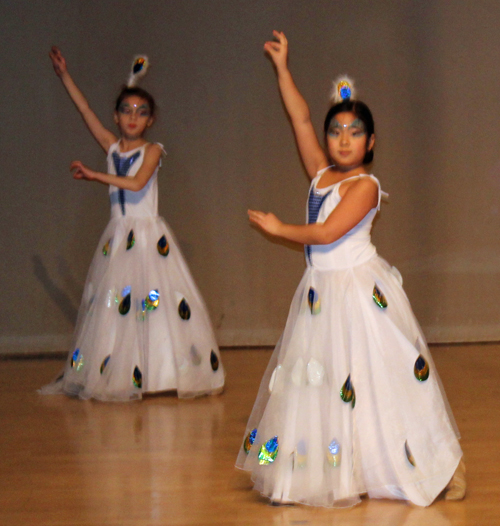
140,66
343,89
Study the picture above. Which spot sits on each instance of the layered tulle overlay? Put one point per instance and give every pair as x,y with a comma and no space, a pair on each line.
142,324
351,402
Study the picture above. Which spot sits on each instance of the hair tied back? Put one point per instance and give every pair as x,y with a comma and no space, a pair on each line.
139,69
343,89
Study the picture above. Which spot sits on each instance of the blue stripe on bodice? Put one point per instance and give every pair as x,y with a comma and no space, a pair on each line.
314,205
122,166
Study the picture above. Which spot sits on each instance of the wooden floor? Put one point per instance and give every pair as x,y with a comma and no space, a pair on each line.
166,461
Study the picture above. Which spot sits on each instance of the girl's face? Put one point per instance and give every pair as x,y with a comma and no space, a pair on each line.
347,142
133,117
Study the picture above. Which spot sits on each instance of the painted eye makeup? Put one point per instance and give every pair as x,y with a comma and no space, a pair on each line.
334,128
125,108
357,128
141,111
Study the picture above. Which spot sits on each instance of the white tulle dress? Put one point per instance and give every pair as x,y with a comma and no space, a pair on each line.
142,324
350,403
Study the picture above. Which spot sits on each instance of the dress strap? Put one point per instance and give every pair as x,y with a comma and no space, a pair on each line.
319,173
356,177
116,147
381,194
163,152
162,147
113,147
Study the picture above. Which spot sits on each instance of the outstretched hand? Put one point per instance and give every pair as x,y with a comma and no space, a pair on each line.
80,171
278,49
58,61
267,222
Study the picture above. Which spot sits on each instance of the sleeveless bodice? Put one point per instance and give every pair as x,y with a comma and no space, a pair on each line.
143,203
352,249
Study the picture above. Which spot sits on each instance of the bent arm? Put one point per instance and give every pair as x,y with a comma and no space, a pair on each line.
310,149
133,183
358,200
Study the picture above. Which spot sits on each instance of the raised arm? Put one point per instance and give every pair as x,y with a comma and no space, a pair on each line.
359,198
310,150
102,135
134,183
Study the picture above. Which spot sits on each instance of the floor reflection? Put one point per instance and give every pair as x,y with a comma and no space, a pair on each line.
370,513
165,461
138,458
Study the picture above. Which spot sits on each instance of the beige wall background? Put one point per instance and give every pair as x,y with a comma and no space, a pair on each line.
429,70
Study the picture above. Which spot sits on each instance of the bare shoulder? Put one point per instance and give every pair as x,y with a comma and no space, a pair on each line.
153,151
154,147
366,186
364,189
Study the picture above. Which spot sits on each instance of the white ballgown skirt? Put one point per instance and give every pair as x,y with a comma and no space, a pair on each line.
142,324
351,402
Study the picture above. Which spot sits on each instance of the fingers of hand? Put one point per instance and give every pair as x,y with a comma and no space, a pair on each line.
77,166
280,36
271,47
57,59
255,216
